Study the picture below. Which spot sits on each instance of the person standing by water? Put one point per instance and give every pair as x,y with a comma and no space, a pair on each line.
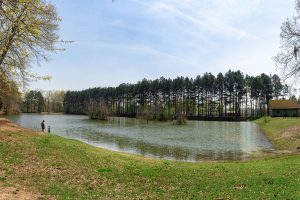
43,125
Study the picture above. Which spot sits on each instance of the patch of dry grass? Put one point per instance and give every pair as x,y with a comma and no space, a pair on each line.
13,193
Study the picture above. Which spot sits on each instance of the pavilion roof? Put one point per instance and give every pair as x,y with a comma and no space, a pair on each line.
283,104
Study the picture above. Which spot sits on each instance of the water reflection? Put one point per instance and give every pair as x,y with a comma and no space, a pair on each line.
194,142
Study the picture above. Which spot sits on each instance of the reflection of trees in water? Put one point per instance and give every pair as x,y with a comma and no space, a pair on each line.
164,151
182,143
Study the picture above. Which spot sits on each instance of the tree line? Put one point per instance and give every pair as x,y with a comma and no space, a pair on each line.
29,31
229,96
36,101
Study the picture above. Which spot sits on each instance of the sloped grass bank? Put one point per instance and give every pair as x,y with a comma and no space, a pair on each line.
60,168
283,132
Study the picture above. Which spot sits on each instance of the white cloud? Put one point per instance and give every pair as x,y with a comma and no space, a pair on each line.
215,17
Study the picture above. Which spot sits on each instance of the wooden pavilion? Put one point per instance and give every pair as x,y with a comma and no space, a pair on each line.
284,108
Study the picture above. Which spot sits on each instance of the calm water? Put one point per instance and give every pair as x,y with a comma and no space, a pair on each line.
196,141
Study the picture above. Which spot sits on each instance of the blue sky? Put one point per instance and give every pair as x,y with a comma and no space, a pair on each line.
128,40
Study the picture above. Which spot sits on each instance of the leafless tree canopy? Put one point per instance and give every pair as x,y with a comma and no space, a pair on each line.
288,59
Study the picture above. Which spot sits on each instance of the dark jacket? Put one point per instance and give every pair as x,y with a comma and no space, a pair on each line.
43,125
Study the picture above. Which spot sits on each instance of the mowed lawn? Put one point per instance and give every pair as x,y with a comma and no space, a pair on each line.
59,168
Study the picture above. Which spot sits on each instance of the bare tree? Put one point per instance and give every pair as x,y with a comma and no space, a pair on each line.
288,58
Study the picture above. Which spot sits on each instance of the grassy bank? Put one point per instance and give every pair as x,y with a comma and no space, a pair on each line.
283,132
60,168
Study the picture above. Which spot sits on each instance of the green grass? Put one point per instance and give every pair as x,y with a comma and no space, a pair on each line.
68,169
283,132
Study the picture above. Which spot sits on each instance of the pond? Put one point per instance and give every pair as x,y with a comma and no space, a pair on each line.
196,141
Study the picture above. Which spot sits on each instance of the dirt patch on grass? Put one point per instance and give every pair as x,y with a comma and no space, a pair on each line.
8,126
292,133
12,193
